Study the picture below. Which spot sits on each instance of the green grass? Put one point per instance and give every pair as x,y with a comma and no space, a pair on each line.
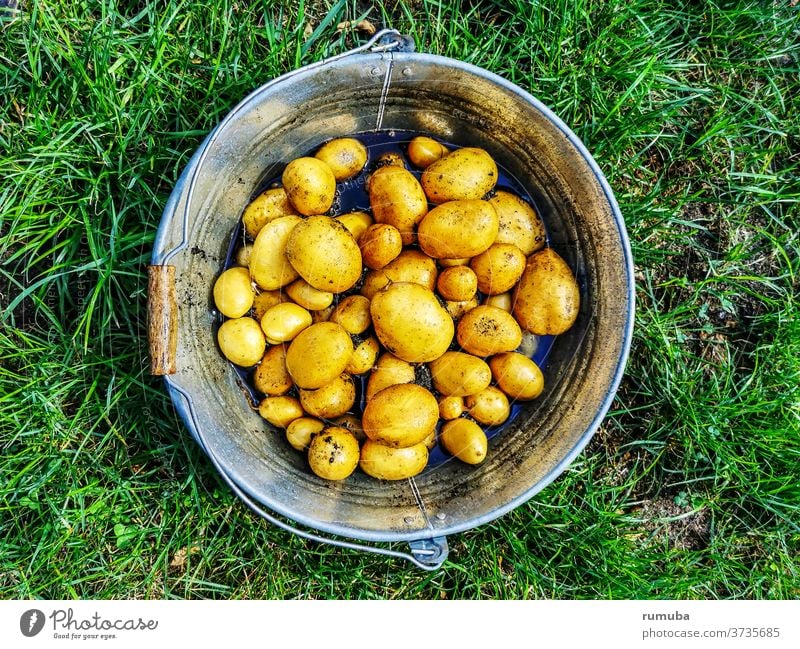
691,487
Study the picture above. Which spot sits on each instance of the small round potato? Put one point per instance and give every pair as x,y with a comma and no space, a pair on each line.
243,255
458,309
388,463
331,400
355,222
409,266
424,151
282,322
389,370
280,411
458,374
396,198
499,268
487,330
380,244
353,424
501,301
241,341
390,159
466,173
333,454
400,415
346,156
489,406
310,185
233,292
457,284
451,407
300,432
271,376
547,299
519,223
264,300
456,229
269,266
464,439
353,314
318,355
266,207
364,355
309,297
517,375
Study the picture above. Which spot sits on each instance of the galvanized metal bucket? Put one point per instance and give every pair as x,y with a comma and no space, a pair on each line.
383,85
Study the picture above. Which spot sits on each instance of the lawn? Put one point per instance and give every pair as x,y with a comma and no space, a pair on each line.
690,488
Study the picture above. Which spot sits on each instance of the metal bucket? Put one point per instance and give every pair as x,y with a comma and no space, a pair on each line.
384,86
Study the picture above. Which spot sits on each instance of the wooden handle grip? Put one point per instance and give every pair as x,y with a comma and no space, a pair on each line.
162,319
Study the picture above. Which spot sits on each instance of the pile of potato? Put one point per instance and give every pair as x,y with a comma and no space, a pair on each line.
445,272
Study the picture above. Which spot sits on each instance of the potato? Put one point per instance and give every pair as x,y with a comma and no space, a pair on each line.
266,299
380,244
280,411
400,415
269,267
233,292
501,301
489,406
451,407
241,341
519,223
487,330
458,374
458,309
390,159
387,463
325,254
396,198
499,268
457,284
409,266
310,185
464,439
364,355
331,400
243,255
517,375
410,322
389,370
547,299
353,314
300,432
346,156
282,322
353,424
271,376
424,151
449,263
323,315
265,208
458,229
333,454
355,222
466,173
430,440
309,297
318,355
529,344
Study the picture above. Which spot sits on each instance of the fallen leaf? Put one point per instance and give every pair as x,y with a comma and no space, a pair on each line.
179,559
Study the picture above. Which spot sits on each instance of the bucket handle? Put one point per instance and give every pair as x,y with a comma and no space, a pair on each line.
162,319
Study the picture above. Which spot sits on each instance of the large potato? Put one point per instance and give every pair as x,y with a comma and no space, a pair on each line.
464,439
325,254
265,208
458,374
333,454
410,322
424,151
396,198
519,223
467,173
271,376
241,341
400,415
389,370
488,330
269,267
346,156
547,299
409,266
318,355
310,185
517,375
388,463
462,228
331,400
233,292
498,268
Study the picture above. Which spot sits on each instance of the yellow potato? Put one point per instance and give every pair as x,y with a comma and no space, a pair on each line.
300,432
458,374
346,156
318,355
282,322
396,198
265,208
424,151
499,268
333,454
390,159
449,263
233,292
458,309
409,266
547,299
487,330
380,244
310,185
457,284
243,255
266,299
519,223
353,424
331,400
400,415
501,301
355,222
364,355
466,173
430,440
389,370
353,314
271,376
489,406
387,463
309,297
517,375
464,439
458,229
410,322
451,407
241,341
323,315
280,411
325,254
269,266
